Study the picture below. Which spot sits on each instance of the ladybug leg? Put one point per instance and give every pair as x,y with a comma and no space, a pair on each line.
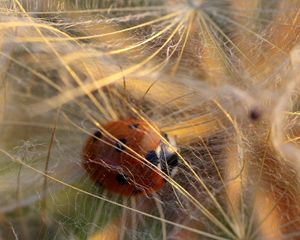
137,192
99,184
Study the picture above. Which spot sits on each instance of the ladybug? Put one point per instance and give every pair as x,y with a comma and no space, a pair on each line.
130,162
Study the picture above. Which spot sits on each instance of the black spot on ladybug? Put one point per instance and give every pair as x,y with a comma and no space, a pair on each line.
152,157
119,146
134,126
97,135
121,179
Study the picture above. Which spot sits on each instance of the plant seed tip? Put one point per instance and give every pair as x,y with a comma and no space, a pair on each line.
255,114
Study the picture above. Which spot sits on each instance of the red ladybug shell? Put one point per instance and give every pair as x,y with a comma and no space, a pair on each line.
119,169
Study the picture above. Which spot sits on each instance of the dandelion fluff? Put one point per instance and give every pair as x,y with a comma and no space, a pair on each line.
218,77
